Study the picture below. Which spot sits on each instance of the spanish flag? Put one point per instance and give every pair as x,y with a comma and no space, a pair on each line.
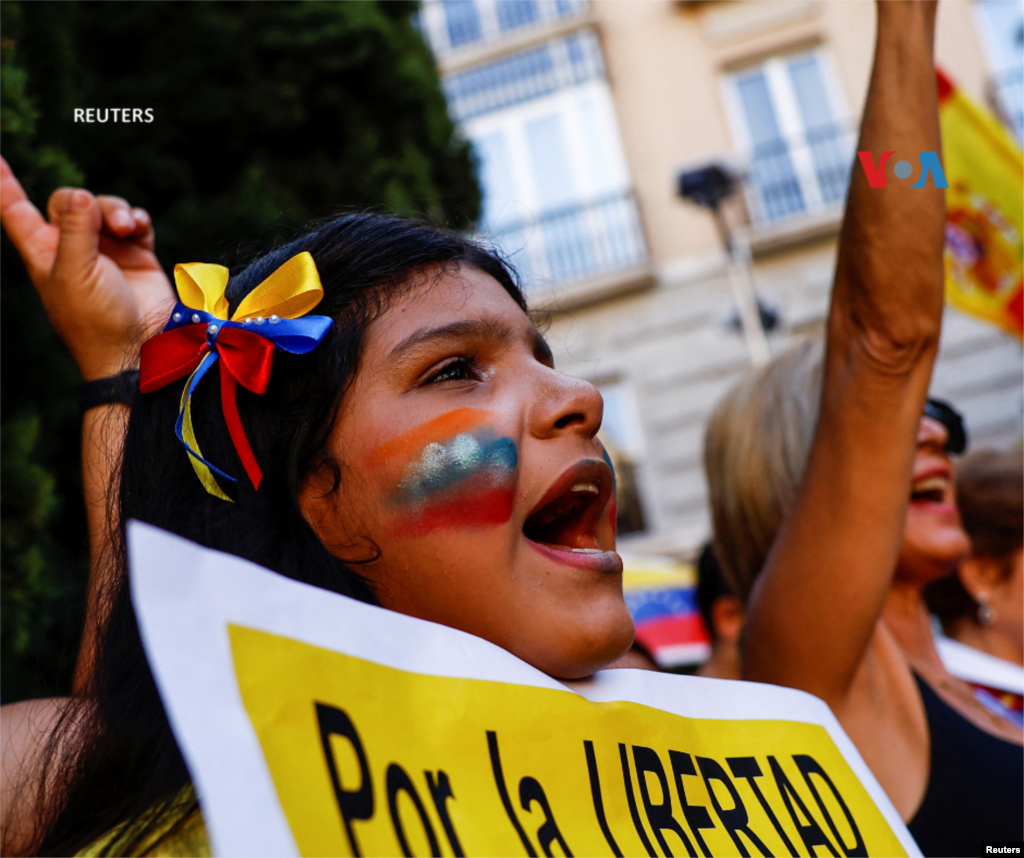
984,211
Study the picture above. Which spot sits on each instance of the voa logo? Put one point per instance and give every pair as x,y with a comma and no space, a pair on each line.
929,162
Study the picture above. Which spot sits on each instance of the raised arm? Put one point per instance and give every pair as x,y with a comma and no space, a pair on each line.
819,598
102,287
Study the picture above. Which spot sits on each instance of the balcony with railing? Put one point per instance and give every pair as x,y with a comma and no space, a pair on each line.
789,178
574,243
539,71
456,26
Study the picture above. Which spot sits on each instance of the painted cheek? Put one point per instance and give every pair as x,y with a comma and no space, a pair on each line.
468,481
409,445
473,508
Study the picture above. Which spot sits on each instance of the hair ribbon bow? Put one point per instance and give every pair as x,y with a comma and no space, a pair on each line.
200,333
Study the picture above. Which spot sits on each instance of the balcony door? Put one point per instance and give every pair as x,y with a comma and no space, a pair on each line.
787,117
557,193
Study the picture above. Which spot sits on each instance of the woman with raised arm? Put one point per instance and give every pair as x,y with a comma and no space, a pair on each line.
815,463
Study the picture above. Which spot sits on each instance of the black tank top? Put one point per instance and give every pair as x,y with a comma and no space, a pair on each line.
975,785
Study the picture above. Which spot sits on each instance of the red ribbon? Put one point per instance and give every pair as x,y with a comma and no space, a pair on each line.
246,358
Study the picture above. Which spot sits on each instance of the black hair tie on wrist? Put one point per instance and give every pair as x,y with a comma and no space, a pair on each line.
123,387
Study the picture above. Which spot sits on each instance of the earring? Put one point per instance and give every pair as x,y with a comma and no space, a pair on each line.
986,613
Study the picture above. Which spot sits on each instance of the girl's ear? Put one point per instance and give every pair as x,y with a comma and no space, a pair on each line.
314,501
343,530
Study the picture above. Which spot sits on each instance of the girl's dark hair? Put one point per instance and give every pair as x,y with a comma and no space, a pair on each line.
990,494
127,768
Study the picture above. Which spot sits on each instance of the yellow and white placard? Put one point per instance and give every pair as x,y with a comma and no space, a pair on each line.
317,725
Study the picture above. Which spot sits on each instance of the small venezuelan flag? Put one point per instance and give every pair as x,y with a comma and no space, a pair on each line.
661,596
984,212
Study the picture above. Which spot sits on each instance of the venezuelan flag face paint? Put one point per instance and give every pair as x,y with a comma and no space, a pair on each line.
456,472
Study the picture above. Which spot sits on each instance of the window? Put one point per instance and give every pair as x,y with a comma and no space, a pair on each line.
1001,23
513,14
463,22
452,25
557,194
787,118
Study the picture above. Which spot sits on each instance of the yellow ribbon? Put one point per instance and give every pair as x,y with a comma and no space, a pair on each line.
188,433
201,287
290,292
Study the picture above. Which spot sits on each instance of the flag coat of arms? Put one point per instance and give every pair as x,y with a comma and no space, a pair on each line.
985,212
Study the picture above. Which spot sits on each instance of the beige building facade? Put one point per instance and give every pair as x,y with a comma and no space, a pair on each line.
584,114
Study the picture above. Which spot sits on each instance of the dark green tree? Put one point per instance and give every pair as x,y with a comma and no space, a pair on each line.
263,113
43,542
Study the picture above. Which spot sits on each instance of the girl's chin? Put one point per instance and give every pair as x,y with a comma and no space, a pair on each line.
568,660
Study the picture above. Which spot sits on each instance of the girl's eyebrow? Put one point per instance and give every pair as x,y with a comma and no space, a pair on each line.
494,330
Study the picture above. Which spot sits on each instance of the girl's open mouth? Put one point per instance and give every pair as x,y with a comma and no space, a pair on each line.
565,525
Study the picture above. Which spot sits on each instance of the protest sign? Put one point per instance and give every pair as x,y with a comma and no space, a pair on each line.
313,724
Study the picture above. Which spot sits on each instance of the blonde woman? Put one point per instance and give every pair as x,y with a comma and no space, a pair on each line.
842,615
833,498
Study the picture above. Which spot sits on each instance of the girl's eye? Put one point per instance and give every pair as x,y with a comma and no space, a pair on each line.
458,369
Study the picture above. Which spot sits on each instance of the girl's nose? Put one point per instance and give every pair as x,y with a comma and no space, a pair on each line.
565,404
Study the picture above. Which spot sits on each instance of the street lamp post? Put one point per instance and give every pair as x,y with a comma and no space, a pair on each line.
708,185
